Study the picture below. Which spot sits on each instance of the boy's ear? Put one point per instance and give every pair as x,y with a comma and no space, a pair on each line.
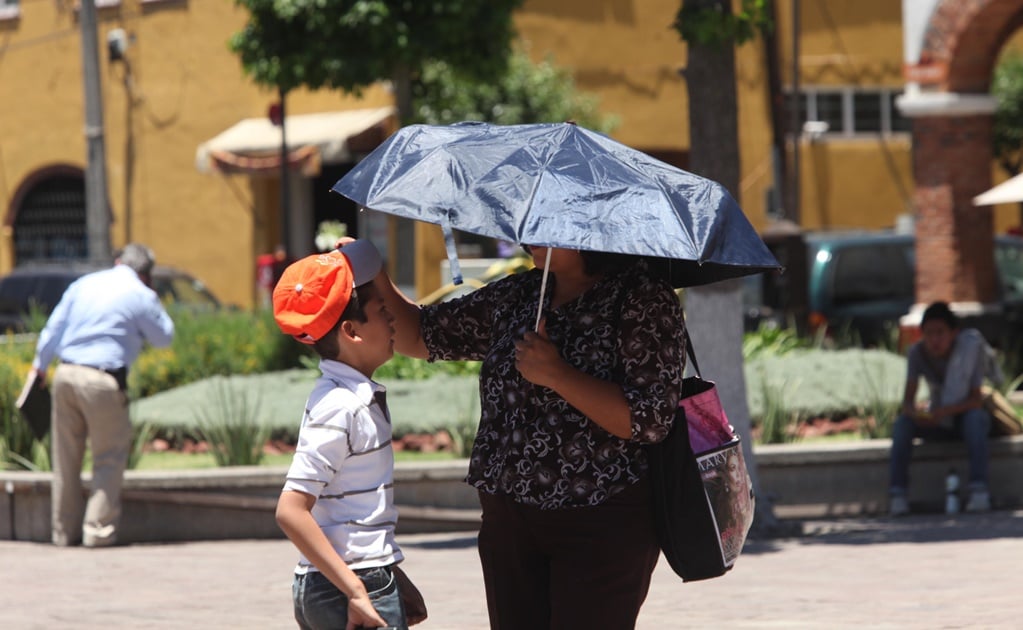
348,329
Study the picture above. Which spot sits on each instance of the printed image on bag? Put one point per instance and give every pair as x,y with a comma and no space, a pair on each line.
707,421
729,493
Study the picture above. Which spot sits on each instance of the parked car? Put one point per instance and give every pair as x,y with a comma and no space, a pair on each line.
42,285
864,281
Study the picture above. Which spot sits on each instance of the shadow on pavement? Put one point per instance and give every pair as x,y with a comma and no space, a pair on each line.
923,528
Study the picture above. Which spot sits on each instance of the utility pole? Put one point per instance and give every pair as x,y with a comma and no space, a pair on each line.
97,209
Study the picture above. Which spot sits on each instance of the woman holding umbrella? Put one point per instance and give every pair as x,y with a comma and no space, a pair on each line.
566,539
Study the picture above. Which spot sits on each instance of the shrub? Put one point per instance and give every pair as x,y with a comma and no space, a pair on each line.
142,433
404,368
777,422
18,446
832,383
768,340
209,344
880,404
228,420
463,430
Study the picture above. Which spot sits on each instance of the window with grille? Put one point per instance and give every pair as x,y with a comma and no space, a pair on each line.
50,223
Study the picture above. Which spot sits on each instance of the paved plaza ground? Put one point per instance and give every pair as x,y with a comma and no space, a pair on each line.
923,571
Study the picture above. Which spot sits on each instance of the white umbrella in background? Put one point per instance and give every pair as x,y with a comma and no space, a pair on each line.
1009,191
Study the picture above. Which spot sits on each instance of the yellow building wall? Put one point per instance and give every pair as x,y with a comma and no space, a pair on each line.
755,136
864,181
185,88
626,53
856,184
844,43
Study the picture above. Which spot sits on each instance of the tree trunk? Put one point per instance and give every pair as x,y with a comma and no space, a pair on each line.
403,231
714,312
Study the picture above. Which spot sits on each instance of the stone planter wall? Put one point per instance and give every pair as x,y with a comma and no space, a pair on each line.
840,479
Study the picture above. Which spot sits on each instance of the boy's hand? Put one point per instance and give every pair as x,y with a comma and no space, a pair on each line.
361,614
344,240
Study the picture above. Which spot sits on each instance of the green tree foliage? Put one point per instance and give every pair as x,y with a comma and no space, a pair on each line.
524,93
1007,137
349,44
710,24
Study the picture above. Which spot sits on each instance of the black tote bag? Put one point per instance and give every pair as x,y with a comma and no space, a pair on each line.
703,499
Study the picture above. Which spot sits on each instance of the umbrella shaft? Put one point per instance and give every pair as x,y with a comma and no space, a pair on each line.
543,289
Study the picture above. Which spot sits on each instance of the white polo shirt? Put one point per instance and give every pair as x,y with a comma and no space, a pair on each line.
344,459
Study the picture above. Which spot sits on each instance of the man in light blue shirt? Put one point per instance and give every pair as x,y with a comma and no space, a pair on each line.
96,331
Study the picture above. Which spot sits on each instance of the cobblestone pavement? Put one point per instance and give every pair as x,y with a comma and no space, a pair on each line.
922,571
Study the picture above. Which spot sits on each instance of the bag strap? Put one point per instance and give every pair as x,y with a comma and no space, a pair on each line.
690,351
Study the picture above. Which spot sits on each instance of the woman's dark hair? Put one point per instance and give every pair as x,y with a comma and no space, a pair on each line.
597,263
327,346
939,311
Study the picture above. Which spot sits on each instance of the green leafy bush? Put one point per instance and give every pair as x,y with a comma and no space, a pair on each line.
228,419
404,368
833,383
769,340
214,344
777,422
526,92
142,433
18,447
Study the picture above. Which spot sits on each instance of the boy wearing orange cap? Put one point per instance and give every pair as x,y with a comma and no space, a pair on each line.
337,503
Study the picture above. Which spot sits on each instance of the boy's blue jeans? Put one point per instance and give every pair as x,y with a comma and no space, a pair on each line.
319,605
972,426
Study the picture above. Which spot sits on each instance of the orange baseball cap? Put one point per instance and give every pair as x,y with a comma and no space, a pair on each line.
314,291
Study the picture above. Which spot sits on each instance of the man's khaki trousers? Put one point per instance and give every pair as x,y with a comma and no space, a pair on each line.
88,404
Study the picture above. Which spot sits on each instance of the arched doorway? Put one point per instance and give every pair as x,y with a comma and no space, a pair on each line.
951,50
48,218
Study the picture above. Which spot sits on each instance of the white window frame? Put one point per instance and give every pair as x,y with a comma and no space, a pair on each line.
809,96
10,9
100,4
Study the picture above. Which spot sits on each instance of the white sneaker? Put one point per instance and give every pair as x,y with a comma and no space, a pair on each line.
980,501
898,505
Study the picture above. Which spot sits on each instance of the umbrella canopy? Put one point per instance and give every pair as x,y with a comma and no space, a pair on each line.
1009,191
559,185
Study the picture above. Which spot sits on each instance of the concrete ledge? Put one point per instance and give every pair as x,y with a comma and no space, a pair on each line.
851,478
803,481
233,502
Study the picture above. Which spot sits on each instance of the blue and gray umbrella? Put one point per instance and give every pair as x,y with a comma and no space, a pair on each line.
559,185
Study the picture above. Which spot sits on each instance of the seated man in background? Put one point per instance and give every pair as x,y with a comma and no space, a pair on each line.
954,362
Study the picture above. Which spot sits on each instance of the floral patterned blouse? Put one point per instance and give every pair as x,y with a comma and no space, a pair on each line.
531,443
